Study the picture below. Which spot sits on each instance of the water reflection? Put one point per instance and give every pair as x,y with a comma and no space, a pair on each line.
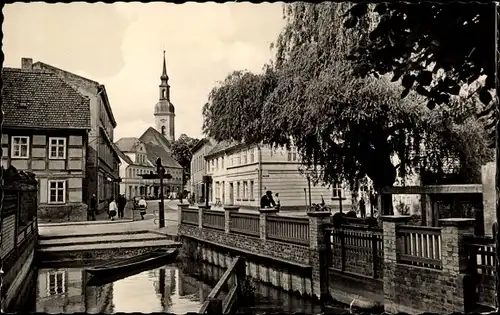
168,289
158,290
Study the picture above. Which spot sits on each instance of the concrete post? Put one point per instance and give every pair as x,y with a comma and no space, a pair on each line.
180,207
319,252
389,224
227,216
200,215
264,212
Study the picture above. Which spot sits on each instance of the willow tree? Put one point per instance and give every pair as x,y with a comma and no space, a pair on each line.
344,127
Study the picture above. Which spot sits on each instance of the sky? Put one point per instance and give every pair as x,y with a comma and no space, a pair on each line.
121,46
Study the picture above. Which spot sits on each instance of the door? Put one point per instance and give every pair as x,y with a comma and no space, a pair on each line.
231,194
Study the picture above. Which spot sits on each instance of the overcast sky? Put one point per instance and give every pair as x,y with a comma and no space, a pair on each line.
121,46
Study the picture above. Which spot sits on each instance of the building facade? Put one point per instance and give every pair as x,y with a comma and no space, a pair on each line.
45,131
102,160
164,109
241,174
198,167
138,159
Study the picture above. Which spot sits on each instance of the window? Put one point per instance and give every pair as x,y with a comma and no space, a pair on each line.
56,281
245,190
244,156
57,148
337,191
292,154
251,189
238,188
20,147
163,130
238,157
57,191
222,163
251,155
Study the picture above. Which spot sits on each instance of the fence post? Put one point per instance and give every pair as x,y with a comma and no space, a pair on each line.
227,216
201,208
318,252
264,212
180,209
374,255
389,224
454,257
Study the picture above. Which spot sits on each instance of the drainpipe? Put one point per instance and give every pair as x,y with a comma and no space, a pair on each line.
260,173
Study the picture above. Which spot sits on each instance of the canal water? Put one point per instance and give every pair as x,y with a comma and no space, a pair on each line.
165,289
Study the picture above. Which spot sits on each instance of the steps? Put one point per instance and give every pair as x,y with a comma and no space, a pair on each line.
104,246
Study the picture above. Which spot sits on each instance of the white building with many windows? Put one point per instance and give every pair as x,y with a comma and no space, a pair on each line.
241,174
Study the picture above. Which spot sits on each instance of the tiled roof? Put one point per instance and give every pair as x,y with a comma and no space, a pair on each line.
221,147
152,134
154,152
33,99
127,144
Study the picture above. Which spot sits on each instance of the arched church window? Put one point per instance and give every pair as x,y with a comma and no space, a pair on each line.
163,93
163,130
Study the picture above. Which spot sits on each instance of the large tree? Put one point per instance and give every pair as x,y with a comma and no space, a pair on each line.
437,50
345,127
181,151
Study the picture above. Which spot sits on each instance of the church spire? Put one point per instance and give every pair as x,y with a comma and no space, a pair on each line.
164,76
164,87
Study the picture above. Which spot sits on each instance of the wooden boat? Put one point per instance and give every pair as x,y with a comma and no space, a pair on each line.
132,263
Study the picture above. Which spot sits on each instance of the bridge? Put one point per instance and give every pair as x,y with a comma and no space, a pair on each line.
402,267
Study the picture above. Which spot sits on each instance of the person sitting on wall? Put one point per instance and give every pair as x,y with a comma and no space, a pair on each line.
267,200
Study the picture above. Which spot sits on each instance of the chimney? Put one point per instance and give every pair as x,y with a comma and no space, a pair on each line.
26,64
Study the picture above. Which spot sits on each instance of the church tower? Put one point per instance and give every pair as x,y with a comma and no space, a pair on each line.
164,109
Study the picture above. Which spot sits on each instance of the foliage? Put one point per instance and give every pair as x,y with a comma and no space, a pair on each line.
434,49
403,208
181,152
345,127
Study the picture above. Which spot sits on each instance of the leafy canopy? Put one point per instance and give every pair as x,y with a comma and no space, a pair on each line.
435,49
181,152
345,127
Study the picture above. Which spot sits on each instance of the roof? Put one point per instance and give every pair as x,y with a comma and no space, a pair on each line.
121,154
63,74
221,147
154,152
152,135
35,99
127,144
199,145
164,107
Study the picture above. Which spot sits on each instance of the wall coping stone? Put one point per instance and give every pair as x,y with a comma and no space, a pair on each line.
183,205
317,214
395,218
459,222
268,210
204,207
231,208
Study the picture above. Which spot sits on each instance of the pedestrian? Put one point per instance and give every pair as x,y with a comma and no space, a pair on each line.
277,201
143,205
362,207
122,202
112,208
92,208
267,200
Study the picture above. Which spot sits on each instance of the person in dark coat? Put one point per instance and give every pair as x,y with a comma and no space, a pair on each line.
92,208
267,200
122,202
362,208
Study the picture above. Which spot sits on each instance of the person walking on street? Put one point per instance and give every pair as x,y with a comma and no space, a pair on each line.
113,209
122,202
92,208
